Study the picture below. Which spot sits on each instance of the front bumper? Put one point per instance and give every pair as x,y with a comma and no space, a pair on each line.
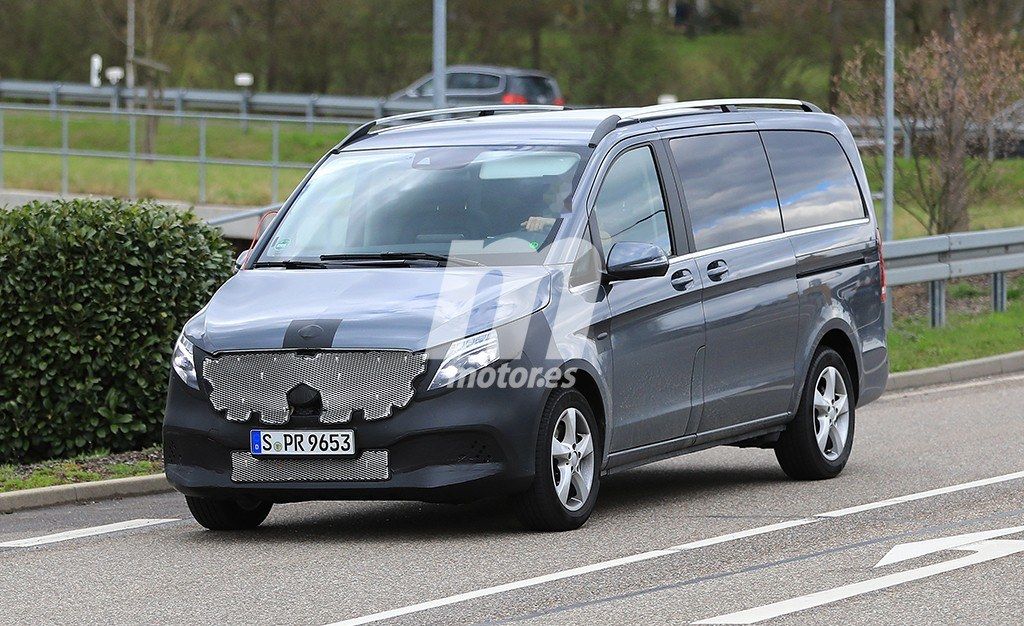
458,445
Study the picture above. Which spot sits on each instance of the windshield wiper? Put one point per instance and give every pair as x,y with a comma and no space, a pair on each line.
293,264
441,259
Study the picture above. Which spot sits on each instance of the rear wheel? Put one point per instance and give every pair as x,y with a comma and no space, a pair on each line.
567,476
818,441
227,514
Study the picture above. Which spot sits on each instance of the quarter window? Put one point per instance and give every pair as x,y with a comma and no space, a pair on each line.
630,205
814,178
728,188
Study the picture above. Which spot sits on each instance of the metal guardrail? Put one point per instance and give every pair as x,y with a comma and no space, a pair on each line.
309,106
937,259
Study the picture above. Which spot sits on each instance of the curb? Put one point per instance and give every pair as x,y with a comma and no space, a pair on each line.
957,372
80,492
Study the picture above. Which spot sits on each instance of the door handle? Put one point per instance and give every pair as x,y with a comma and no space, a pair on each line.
681,280
717,270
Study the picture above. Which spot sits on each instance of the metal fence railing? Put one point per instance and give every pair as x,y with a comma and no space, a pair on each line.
131,153
935,260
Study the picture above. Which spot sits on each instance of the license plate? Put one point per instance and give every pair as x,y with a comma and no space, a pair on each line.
302,442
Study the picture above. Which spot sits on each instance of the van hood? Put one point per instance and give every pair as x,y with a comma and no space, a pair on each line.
396,308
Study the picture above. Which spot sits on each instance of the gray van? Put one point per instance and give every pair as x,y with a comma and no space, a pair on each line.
518,301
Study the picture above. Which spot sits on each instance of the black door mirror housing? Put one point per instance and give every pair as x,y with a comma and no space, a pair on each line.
628,260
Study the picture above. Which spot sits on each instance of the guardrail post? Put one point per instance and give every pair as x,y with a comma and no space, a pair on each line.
1,149
275,159
908,148
202,160
243,106
131,154
999,292
310,112
64,164
179,107
937,298
54,100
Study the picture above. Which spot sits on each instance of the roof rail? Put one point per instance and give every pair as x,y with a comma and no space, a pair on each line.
473,111
725,105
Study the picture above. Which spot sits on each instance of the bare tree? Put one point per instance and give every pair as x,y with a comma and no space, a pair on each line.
950,91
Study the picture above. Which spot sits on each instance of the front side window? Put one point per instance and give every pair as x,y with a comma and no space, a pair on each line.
630,205
814,178
491,204
728,188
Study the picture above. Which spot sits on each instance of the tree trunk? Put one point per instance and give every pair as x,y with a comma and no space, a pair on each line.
952,136
835,14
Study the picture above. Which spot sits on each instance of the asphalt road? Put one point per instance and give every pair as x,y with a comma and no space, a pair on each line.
694,538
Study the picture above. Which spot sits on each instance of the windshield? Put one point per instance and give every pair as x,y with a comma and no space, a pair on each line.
493,205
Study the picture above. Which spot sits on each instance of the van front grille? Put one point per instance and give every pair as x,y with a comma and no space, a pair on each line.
374,382
370,465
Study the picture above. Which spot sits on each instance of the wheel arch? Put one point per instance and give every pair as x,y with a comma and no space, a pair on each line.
839,335
584,379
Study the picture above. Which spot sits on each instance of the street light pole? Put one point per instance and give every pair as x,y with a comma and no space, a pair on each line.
890,77
440,47
129,62
890,71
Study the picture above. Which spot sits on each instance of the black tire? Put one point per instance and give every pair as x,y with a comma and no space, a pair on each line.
539,507
227,514
797,449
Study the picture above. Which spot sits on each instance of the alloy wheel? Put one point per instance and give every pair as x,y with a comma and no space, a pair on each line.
831,413
572,459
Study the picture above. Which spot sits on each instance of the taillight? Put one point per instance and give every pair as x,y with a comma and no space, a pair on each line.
559,102
881,264
514,98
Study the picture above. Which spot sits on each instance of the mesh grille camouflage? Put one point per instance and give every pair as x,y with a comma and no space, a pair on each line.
375,382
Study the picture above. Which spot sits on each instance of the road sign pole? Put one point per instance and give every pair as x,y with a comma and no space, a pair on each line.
440,47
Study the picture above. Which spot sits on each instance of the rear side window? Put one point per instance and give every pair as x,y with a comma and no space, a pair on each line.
814,178
728,188
630,205
472,80
535,88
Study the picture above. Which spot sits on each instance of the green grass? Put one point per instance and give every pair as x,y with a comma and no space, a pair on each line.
1001,203
76,470
226,184
913,344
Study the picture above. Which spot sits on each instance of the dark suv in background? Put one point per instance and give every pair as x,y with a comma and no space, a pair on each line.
481,84
516,301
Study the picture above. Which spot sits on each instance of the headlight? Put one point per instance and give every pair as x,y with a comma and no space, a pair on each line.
466,356
183,363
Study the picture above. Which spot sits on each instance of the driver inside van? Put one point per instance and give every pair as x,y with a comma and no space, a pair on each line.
557,199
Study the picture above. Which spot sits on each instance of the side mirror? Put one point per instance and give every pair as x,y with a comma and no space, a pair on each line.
631,259
242,258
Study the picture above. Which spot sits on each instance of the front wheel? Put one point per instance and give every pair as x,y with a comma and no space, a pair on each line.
227,514
818,441
568,459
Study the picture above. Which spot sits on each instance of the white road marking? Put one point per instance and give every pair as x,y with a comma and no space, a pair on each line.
743,534
922,495
986,550
916,549
490,591
653,554
84,532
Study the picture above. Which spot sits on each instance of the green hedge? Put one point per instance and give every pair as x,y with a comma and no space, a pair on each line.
92,296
